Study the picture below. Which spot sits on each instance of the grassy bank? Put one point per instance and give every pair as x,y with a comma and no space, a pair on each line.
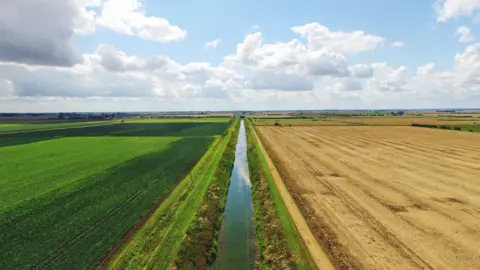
199,247
278,242
156,243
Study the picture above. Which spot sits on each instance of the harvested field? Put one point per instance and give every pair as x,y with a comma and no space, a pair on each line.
406,121
368,121
300,122
385,197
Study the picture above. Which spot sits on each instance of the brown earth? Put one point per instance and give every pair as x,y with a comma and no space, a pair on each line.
407,121
317,254
307,122
385,197
373,121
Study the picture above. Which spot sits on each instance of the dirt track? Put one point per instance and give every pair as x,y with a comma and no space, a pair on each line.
317,254
385,197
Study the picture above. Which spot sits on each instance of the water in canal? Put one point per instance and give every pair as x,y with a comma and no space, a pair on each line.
237,239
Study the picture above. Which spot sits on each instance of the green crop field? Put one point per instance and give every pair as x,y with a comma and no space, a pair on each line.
471,128
10,125
183,120
157,242
69,195
12,128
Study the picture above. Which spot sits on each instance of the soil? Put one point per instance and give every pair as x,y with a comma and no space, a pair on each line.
384,197
319,257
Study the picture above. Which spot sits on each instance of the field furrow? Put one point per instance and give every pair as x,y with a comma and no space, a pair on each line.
390,197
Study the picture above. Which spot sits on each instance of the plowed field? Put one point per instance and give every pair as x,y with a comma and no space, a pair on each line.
385,197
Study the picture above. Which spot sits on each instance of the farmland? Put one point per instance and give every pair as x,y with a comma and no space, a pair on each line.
157,242
12,128
367,121
270,211
70,194
384,197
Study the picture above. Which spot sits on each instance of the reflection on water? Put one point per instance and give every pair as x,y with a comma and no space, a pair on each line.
237,240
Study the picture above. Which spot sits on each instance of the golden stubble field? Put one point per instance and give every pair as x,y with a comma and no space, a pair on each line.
385,197
374,121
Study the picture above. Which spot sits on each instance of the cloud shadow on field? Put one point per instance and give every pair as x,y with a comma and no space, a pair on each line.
118,130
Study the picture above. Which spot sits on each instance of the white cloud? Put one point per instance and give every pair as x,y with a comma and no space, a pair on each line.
84,22
398,44
212,44
246,50
362,71
450,9
128,17
467,66
348,84
39,66
426,69
388,79
320,37
465,34
6,88
277,80
291,57
109,72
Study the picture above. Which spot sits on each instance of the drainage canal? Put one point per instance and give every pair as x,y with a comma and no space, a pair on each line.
237,239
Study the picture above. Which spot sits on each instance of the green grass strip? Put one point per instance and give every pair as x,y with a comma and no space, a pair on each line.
269,210
156,244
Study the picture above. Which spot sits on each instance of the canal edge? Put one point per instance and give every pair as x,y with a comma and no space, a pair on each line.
318,255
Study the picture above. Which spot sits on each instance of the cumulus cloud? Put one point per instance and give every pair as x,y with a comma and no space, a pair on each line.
426,69
128,17
465,34
467,65
212,44
398,44
311,70
321,37
362,71
325,63
116,61
109,72
461,83
450,9
40,32
348,84
275,80
291,57
387,79
6,88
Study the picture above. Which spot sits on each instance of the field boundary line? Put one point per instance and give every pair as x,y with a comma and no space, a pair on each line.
318,255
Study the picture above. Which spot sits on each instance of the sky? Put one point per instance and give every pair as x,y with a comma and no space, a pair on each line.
212,55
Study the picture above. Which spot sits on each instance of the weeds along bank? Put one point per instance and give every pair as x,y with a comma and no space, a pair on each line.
156,244
200,245
278,243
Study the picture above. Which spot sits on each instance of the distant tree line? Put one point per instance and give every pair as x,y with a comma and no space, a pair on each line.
440,127
97,116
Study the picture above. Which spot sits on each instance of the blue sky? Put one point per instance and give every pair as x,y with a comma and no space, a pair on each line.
121,41
409,21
